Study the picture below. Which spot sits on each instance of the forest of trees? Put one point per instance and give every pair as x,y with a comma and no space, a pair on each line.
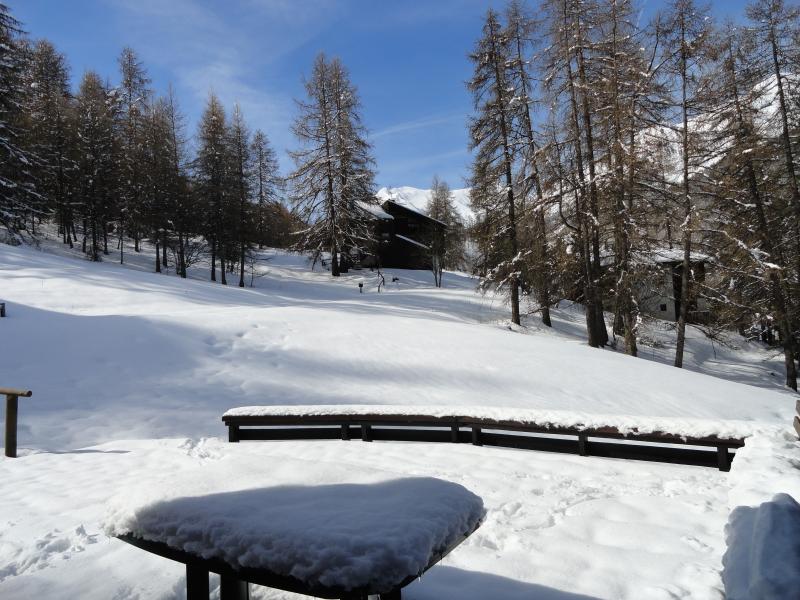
112,162
601,140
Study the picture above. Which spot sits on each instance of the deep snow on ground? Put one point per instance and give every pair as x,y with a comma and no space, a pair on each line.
117,353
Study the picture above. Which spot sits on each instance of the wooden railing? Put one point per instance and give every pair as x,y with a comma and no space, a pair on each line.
603,441
12,407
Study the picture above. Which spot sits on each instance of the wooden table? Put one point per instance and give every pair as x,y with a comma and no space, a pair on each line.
412,524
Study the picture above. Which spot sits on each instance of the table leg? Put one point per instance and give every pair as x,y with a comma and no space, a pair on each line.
231,588
196,583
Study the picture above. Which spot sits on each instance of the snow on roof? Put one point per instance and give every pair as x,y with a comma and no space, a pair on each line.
666,255
410,241
375,210
413,210
371,535
418,199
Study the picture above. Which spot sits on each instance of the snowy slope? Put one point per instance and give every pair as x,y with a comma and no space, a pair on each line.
418,199
131,372
126,353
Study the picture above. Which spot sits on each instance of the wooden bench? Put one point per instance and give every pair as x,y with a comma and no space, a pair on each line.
607,442
371,540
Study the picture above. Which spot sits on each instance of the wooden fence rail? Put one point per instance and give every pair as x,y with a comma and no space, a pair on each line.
12,407
606,442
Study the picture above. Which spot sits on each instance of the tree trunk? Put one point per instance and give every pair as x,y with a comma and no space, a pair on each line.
778,297
540,234
241,266
512,219
222,279
181,256
580,203
687,208
213,259
158,257
601,333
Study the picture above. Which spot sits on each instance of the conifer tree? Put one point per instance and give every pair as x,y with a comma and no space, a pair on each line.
211,168
752,228
266,184
241,181
96,108
18,196
520,30
686,42
447,249
492,173
134,101
51,132
567,75
333,176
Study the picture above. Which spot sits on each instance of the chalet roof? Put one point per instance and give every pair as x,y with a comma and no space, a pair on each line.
387,203
375,210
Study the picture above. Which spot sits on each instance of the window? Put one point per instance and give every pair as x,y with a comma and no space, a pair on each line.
663,308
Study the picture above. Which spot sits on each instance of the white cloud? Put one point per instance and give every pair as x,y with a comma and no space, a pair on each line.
422,123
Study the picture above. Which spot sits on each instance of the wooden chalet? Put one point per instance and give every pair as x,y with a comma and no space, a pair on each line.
403,235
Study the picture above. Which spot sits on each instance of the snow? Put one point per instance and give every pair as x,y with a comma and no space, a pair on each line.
544,418
669,255
183,352
412,242
131,372
763,556
372,534
417,199
376,211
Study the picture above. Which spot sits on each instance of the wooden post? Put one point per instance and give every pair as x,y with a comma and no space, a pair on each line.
454,433
2,309
366,433
476,436
582,438
196,582
723,458
233,433
231,588
12,408
346,432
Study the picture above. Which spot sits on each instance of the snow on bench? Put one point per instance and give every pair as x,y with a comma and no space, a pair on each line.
763,556
658,439
328,541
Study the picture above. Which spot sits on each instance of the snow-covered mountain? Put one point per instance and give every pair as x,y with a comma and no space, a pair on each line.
418,199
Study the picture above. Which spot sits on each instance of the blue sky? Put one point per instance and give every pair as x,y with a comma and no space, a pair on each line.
407,57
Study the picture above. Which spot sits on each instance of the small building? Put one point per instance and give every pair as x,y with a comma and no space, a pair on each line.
661,298
403,235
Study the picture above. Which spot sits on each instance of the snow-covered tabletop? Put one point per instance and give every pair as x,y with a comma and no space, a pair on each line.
370,536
